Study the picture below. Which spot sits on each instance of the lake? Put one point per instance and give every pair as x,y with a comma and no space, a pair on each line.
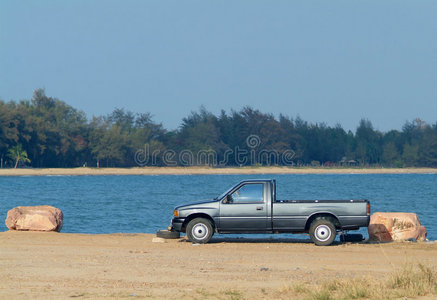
144,203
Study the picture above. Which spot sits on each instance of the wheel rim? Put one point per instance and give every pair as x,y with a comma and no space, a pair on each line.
200,231
323,233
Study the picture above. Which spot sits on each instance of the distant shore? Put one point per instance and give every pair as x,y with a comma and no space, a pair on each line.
210,170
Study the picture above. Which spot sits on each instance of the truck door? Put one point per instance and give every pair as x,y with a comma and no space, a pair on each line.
245,209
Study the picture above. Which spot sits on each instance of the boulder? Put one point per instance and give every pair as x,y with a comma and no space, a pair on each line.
35,218
386,227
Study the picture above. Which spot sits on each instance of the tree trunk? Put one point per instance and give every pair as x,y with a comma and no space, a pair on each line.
16,163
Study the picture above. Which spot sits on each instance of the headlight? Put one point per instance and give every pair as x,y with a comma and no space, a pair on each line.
176,213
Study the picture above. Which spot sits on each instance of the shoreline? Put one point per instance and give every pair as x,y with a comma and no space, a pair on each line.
81,171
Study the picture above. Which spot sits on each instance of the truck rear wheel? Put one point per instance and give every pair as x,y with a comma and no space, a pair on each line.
322,231
199,230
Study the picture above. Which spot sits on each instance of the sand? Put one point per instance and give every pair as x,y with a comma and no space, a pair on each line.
208,170
37,265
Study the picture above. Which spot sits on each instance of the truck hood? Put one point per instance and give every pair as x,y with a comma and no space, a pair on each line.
200,204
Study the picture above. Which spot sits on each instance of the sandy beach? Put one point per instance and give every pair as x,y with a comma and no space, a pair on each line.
37,265
209,170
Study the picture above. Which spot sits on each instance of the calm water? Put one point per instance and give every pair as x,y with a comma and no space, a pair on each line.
108,204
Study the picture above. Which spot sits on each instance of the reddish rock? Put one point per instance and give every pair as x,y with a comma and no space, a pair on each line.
35,218
386,227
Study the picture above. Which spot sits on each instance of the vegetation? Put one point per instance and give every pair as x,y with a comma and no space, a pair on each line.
409,281
17,154
47,132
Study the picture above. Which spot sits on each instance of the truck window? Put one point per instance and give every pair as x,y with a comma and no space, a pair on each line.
248,193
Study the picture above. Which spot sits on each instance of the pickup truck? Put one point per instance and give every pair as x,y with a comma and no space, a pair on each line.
251,207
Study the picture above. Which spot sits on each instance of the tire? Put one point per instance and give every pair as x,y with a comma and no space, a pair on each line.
322,231
199,231
166,234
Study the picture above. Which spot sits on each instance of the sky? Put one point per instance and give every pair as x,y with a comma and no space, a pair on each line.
325,61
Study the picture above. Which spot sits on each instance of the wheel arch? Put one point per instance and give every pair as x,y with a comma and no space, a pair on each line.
197,215
314,216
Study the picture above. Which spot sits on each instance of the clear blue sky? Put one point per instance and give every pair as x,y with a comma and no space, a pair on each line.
327,61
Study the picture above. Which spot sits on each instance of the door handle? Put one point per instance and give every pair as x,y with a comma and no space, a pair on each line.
259,208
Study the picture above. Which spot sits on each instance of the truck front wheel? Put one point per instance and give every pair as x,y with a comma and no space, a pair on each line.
199,230
322,231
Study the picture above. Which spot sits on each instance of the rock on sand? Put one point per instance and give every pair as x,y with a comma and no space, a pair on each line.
35,218
386,227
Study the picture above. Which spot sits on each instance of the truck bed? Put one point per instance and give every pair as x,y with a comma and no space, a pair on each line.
321,201
293,214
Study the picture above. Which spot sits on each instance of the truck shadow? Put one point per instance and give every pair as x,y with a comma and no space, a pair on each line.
244,240
259,240
277,241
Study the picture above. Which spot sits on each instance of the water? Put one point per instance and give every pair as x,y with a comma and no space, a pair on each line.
108,204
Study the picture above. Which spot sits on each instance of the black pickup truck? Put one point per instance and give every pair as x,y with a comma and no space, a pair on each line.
251,207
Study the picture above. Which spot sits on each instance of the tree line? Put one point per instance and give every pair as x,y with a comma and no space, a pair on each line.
47,132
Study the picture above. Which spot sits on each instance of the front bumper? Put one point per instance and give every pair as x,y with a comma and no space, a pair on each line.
177,223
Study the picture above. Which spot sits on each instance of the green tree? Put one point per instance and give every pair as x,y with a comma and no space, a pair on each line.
123,119
293,140
109,144
427,152
410,154
200,133
389,154
146,138
56,132
97,129
17,154
368,143
8,129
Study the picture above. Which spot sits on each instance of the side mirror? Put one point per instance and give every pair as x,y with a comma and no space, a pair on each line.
229,199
